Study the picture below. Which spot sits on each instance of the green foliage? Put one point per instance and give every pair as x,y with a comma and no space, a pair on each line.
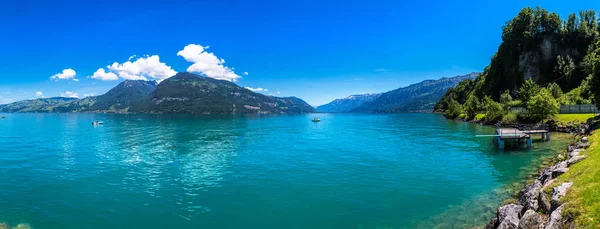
564,67
454,109
575,96
493,110
510,117
542,105
505,97
555,90
527,90
472,106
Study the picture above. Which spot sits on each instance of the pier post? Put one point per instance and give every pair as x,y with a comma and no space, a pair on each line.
543,136
548,136
500,143
529,142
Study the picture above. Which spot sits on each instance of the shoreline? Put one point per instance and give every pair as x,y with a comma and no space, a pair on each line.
538,204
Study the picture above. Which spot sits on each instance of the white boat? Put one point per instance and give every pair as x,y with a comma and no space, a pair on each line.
316,120
97,123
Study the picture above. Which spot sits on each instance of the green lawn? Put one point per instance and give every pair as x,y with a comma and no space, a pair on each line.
584,196
572,118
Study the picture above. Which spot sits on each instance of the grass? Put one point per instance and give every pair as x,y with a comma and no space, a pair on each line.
572,118
584,197
479,117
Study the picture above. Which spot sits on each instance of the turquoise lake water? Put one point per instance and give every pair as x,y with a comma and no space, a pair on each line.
348,171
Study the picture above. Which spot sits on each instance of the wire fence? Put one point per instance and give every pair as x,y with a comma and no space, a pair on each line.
578,109
565,109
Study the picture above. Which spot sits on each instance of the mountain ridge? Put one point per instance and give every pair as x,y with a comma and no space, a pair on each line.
183,93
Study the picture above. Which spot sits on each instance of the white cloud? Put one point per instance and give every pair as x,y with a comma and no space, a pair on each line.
39,94
103,75
65,75
245,73
69,94
142,69
257,89
89,95
383,70
207,63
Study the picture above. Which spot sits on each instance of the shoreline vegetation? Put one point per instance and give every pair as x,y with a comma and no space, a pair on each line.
547,201
543,63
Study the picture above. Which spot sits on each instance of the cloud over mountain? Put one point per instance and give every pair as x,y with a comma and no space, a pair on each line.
207,63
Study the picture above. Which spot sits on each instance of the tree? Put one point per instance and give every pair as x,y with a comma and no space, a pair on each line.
472,106
564,67
505,97
493,110
542,105
527,90
555,90
454,109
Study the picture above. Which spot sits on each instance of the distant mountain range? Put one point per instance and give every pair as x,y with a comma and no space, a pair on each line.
419,97
183,93
347,104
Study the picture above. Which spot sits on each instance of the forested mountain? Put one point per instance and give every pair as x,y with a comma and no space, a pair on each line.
414,98
182,93
189,93
537,45
347,104
35,105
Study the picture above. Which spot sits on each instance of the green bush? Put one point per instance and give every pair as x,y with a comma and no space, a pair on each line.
542,105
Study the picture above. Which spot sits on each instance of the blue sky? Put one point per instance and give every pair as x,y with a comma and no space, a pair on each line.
315,50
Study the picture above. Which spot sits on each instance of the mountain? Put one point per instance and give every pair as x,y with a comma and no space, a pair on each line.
347,104
183,93
420,97
537,45
35,105
193,94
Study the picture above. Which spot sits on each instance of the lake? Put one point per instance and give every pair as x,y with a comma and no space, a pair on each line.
178,171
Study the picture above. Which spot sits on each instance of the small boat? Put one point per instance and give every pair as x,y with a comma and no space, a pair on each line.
97,123
2,117
316,120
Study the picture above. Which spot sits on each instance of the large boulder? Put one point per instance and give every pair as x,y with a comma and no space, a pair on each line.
575,159
559,192
531,220
575,152
556,220
509,215
528,197
553,171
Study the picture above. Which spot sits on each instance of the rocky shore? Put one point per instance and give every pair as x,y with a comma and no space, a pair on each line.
537,207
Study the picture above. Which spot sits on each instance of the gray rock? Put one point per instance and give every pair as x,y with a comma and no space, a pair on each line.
559,192
558,172
509,215
583,145
528,197
531,220
584,139
492,224
4,226
556,220
553,171
575,159
544,202
575,152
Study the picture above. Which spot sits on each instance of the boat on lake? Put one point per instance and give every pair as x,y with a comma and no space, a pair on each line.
316,120
97,123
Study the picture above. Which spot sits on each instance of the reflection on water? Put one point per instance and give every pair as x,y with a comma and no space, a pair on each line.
348,171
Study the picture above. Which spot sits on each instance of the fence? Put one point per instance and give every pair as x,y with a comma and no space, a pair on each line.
578,109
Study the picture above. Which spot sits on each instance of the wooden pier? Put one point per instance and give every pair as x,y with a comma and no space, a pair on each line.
519,134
